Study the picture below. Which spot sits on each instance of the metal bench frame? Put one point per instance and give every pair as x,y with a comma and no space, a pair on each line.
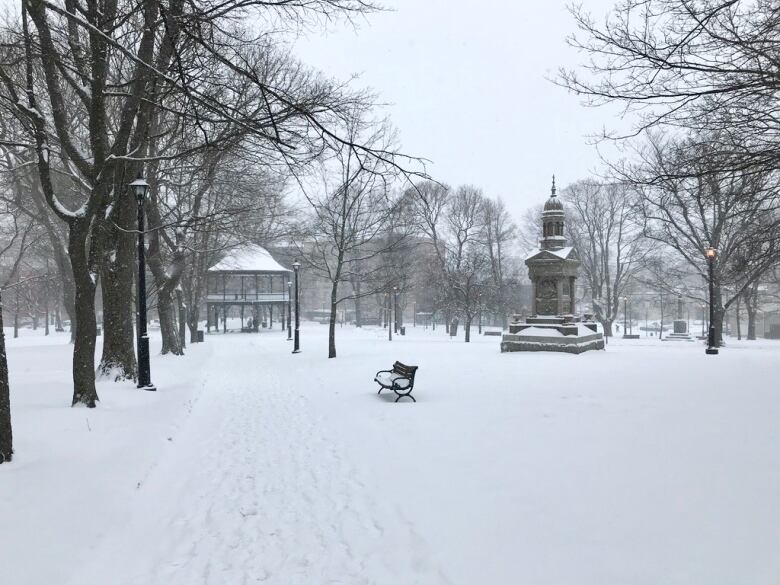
403,372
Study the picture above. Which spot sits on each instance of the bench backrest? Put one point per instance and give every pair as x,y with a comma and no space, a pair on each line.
405,370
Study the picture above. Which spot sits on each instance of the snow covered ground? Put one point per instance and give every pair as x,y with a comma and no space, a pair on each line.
647,464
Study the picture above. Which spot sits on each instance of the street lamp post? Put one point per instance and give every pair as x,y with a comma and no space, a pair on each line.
141,188
711,253
395,309
389,317
289,311
297,342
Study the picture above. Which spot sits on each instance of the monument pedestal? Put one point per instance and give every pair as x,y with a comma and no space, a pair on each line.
551,333
681,332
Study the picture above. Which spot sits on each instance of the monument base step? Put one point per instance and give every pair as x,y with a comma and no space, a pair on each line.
678,337
567,343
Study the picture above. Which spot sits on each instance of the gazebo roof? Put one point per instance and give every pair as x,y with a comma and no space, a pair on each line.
249,258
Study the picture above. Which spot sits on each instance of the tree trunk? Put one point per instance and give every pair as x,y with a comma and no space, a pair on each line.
118,360
192,324
332,324
168,329
6,435
467,327
69,303
84,391
739,321
606,325
358,305
192,285
751,329
118,268
182,318
751,305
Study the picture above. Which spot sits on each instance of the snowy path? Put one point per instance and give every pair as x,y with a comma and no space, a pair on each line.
647,464
237,498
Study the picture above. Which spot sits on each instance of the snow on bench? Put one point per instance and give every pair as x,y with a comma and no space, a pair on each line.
400,380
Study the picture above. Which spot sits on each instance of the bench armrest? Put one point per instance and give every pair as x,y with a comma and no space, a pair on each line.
407,380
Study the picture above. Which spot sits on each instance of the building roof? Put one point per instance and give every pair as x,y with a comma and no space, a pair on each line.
249,258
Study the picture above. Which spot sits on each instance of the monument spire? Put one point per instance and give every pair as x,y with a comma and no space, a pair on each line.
553,222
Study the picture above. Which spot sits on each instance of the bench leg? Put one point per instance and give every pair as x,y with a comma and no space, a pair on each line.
405,396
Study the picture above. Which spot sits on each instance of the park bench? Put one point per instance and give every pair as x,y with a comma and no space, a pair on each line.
400,380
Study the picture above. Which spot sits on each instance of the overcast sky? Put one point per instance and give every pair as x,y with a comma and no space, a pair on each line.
468,88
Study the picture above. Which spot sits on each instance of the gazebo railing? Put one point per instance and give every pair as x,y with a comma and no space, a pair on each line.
277,297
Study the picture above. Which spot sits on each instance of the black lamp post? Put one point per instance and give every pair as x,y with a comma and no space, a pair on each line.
395,309
141,188
390,317
297,342
711,253
289,311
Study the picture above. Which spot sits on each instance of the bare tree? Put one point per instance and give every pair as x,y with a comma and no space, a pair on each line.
499,234
15,242
87,83
350,219
604,228
691,202
454,224
704,65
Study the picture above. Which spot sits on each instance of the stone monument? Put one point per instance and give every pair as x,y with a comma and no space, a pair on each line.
681,332
553,269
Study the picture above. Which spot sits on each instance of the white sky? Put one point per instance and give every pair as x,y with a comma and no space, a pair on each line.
467,83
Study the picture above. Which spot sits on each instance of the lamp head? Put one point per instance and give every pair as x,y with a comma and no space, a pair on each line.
296,265
711,253
140,187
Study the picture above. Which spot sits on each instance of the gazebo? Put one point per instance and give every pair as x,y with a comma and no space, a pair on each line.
249,279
